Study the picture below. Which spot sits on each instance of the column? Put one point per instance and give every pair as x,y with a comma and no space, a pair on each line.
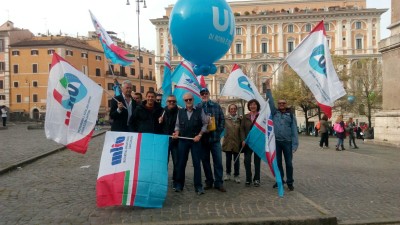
339,38
280,40
369,37
248,41
349,46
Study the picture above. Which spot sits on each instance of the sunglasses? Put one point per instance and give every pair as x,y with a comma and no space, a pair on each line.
281,103
204,93
188,100
171,101
158,100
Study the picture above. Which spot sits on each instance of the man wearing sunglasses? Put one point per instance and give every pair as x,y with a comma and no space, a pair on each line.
211,142
286,136
159,98
168,121
191,123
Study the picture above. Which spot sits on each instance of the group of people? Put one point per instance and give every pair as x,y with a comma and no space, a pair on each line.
341,129
199,129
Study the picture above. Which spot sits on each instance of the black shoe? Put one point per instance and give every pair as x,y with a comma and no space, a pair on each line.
291,188
178,189
356,147
208,187
256,183
200,192
275,185
221,189
248,184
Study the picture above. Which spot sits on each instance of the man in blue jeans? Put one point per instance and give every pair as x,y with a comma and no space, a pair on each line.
286,136
211,142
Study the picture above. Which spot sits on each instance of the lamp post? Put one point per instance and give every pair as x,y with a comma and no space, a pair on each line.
138,27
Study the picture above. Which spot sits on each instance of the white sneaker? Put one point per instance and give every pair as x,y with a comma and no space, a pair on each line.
237,179
227,177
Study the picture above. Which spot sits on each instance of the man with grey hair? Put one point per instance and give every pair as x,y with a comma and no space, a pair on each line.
122,108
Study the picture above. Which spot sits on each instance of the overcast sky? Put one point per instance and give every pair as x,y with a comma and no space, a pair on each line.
72,17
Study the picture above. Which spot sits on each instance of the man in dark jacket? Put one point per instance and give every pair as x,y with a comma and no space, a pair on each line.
168,120
122,108
145,117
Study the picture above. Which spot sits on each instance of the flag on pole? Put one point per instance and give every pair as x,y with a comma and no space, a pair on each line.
240,86
73,102
311,60
261,139
167,83
133,170
117,88
114,53
183,67
187,83
202,82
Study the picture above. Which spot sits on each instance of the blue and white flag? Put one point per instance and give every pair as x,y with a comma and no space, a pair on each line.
240,86
261,139
187,83
183,67
167,83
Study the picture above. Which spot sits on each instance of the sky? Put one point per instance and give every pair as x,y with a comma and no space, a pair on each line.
72,17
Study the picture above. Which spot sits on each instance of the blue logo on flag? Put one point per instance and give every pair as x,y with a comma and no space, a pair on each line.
245,84
317,60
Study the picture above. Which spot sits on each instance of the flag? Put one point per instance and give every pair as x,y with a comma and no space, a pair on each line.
133,170
240,86
187,83
201,81
183,67
73,102
114,53
167,83
261,139
311,60
117,88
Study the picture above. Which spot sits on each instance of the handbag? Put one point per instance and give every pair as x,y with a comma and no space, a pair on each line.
211,124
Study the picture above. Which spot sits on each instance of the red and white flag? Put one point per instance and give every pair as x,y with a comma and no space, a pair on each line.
73,102
311,60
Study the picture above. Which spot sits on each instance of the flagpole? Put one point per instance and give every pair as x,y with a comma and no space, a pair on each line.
111,96
238,155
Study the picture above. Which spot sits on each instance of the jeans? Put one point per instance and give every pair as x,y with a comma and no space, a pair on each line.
285,148
184,147
173,153
247,164
4,121
339,142
352,138
216,151
324,139
236,165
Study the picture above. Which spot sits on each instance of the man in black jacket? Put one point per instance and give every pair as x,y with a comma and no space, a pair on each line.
145,117
122,109
168,120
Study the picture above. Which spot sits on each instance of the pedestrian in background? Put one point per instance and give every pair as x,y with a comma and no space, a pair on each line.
340,132
4,115
350,129
247,123
231,144
324,131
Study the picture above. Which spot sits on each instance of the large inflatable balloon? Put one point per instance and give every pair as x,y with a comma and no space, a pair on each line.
202,31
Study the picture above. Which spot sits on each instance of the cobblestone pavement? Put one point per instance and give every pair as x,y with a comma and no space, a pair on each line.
358,187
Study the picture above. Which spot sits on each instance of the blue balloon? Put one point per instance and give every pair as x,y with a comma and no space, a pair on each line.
202,31
351,99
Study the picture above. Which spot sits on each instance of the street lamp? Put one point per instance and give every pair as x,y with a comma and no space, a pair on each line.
138,27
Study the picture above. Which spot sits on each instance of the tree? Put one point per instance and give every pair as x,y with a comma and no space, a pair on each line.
366,86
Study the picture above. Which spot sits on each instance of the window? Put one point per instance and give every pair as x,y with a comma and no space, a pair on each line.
16,84
19,98
85,70
2,66
238,31
264,29
141,89
34,68
290,46
141,75
264,67
222,69
98,72
34,83
133,71
150,61
1,84
264,88
358,25
34,52
98,58
264,48
1,45
110,86
15,52
141,59
134,88
221,86
35,98
69,53
151,75
308,27
2,97
358,43
290,28
50,52
110,101
238,48
84,55
15,69
326,26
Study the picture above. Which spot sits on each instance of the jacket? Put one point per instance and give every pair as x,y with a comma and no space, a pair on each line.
211,108
120,119
285,124
145,120
232,137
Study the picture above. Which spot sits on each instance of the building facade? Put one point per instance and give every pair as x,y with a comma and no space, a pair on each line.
267,31
29,66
